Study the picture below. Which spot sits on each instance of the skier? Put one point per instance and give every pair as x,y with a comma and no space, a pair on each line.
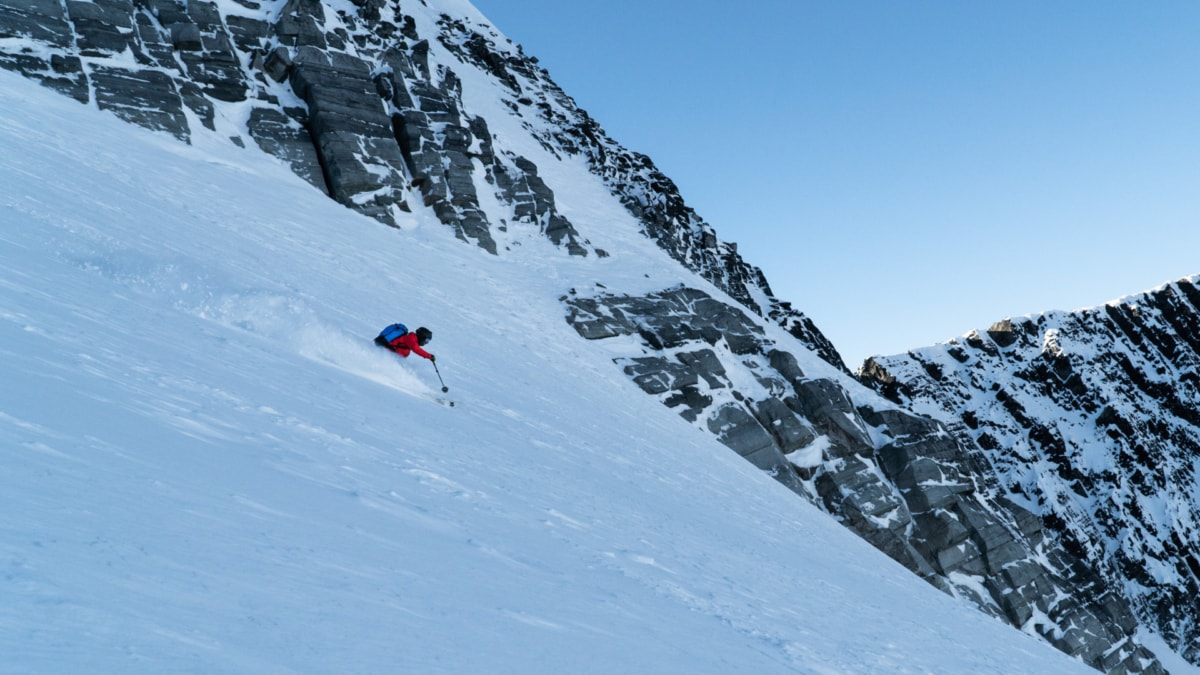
398,339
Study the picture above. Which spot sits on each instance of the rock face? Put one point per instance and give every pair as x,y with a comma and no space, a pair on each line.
1092,421
914,488
365,100
349,98
351,131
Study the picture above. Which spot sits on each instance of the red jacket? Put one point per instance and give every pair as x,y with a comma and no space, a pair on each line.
408,342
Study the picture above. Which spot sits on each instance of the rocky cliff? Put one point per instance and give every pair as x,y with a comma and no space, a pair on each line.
908,484
392,106
1091,420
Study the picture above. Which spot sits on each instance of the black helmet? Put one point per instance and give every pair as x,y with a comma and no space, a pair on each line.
424,335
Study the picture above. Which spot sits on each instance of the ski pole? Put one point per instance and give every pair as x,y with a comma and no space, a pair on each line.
439,374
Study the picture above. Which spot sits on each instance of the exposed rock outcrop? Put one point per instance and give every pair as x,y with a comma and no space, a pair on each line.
349,98
1091,421
351,130
909,485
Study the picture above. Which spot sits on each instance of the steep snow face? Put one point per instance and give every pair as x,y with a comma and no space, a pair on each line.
421,116
1092,420
208,467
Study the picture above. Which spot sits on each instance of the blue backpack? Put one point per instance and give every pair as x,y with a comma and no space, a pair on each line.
393,332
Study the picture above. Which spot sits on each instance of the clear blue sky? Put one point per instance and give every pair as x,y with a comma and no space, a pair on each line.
906,171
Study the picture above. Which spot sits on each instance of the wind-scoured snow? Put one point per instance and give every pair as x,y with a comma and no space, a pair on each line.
207,467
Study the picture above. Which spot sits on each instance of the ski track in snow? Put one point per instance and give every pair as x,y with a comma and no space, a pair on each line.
210,468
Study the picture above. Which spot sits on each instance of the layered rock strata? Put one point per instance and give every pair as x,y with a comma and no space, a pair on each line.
1092,421
349,98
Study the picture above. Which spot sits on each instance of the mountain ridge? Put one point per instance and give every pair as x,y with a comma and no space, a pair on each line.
1090,418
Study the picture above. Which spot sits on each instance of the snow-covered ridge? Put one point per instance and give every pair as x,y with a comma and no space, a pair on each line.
1091,420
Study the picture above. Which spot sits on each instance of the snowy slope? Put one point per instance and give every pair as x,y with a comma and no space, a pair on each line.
209,469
